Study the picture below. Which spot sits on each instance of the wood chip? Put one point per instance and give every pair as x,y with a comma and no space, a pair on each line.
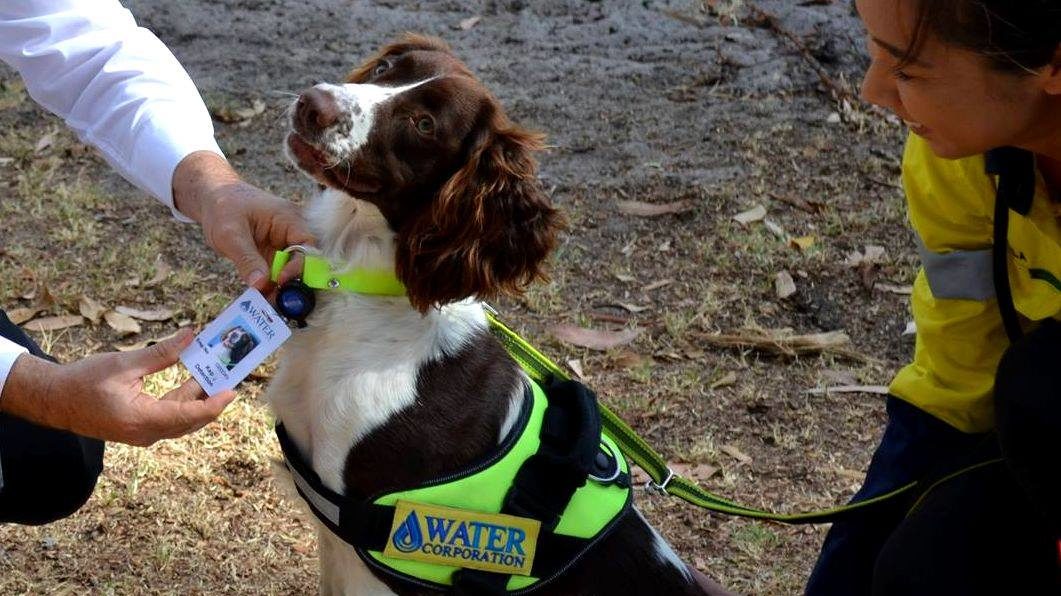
162,272
736,454
641,209
594,339
775,229
158,314
91,309
625,278
123,324
784,285
54,323
874,389
757,213
470,22
19,316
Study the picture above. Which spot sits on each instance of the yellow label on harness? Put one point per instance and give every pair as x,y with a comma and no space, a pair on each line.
459,538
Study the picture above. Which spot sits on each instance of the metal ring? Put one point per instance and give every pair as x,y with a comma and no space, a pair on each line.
297,248
615,473
660,488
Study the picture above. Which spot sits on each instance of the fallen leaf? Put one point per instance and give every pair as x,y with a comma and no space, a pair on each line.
784,285
19,316
783,341
158,314
46,141
633,307
162,271
123,324
657,285
576,367
624,277
775,229
736,454
803,243
696,472
54,323
594,339
628,359
641,209
470,22
752,215
90,309
144,344
875,389
726,380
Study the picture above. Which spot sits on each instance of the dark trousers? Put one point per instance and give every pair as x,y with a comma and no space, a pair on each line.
974,533
47,474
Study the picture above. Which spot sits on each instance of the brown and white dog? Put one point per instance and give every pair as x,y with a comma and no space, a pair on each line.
422,172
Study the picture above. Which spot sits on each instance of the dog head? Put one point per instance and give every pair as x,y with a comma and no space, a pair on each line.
413,132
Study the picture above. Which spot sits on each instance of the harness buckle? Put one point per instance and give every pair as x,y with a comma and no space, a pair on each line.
661,488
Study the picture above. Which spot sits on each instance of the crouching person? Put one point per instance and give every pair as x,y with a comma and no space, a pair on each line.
54,419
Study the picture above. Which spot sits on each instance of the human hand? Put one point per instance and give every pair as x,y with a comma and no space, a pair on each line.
240,221
102,396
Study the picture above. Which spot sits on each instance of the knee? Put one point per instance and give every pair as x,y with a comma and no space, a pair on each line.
59,490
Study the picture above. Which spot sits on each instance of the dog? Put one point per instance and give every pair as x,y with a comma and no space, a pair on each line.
421,172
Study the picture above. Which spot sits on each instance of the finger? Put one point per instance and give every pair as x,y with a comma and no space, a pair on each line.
292,269
190,390
159,356
171,418
296,230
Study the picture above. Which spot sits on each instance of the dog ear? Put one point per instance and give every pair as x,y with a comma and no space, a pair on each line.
489,229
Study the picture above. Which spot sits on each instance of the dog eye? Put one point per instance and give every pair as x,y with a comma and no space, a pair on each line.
381,68
425,125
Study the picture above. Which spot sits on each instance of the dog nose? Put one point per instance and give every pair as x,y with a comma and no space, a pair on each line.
317,109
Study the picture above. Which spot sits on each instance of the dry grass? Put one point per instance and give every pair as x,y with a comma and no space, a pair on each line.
201,515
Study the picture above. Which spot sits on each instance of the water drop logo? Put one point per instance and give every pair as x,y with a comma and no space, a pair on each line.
408,537
245,305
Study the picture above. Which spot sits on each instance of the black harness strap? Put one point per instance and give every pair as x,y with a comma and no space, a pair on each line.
545,483
1015,169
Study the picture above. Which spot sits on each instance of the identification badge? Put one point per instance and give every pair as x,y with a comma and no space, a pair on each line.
459,538
235,343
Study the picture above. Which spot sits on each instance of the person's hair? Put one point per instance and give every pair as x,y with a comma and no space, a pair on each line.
1014,35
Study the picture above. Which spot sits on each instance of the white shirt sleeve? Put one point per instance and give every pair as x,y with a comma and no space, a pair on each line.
113,82
9,352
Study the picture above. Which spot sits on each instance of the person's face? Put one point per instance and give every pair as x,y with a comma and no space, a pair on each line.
951,96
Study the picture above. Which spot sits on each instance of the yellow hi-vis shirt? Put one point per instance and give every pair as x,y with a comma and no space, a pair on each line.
960,335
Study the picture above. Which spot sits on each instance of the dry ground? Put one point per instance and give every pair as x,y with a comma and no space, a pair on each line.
648,101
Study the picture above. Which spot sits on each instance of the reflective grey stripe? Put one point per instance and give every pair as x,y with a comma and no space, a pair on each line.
326,508
959,275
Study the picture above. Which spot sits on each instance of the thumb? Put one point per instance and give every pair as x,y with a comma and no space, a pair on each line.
159,356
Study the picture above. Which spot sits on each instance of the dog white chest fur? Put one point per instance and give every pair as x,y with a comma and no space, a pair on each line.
355,365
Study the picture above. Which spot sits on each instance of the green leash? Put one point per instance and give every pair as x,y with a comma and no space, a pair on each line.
318,275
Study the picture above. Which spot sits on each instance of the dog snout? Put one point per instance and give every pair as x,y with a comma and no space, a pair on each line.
317,110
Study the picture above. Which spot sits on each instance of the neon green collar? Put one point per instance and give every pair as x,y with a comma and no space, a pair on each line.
317,274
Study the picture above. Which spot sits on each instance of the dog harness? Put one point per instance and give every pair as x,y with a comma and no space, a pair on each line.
508,524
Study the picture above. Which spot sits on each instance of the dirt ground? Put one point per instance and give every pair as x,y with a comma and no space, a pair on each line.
653,101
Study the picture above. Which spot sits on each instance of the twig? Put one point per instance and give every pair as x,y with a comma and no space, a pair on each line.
798,203
839,91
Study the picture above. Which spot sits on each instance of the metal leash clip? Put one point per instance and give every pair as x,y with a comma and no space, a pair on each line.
661,488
